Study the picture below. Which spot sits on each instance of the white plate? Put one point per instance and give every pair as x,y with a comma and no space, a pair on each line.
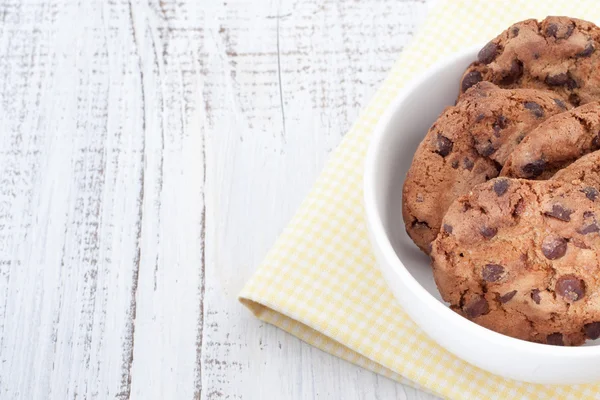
407,270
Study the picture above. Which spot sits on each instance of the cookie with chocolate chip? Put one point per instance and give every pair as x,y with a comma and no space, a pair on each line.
537,277
556,143
559,54
468,145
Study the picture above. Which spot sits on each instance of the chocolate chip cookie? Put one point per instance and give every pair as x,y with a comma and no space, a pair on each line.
522,258
558,53
555,143
468,145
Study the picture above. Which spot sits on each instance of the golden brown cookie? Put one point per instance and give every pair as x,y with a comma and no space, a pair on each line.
523,258
559,54
556,143
468,145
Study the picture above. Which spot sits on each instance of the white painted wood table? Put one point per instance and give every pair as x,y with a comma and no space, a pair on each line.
151,151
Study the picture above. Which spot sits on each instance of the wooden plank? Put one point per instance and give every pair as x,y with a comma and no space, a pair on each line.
102,216
169,314
72,167
285,80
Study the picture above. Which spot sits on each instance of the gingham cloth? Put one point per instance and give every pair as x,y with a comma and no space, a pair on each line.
320,281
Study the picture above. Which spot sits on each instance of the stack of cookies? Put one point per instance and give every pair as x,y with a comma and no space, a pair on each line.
504,190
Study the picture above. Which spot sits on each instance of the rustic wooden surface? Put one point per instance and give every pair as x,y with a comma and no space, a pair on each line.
151,152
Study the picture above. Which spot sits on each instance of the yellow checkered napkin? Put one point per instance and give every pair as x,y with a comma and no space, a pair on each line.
320,281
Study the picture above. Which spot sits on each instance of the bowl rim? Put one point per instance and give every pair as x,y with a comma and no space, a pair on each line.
381,239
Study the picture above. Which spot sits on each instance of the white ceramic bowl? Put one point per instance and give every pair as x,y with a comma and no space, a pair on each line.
407,270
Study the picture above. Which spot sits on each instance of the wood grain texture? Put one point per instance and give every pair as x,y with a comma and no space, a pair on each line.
289,81
151,152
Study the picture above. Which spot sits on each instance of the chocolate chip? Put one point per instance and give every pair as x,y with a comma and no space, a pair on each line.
535,108
569,31
514,74
557,80
560,103
455,164
479,117
443,145
515,31
501,123
536,55
574,99
587,51
505,298
570,287
488,233
485,149
562,79
560,212
468,163
520,138
492,272
591,193
501,186
477,307
535,296
447,228
589,215
552,30
592,330
488,53
554,247
534,169
596,141
466,206
555,339
471,79
592,228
